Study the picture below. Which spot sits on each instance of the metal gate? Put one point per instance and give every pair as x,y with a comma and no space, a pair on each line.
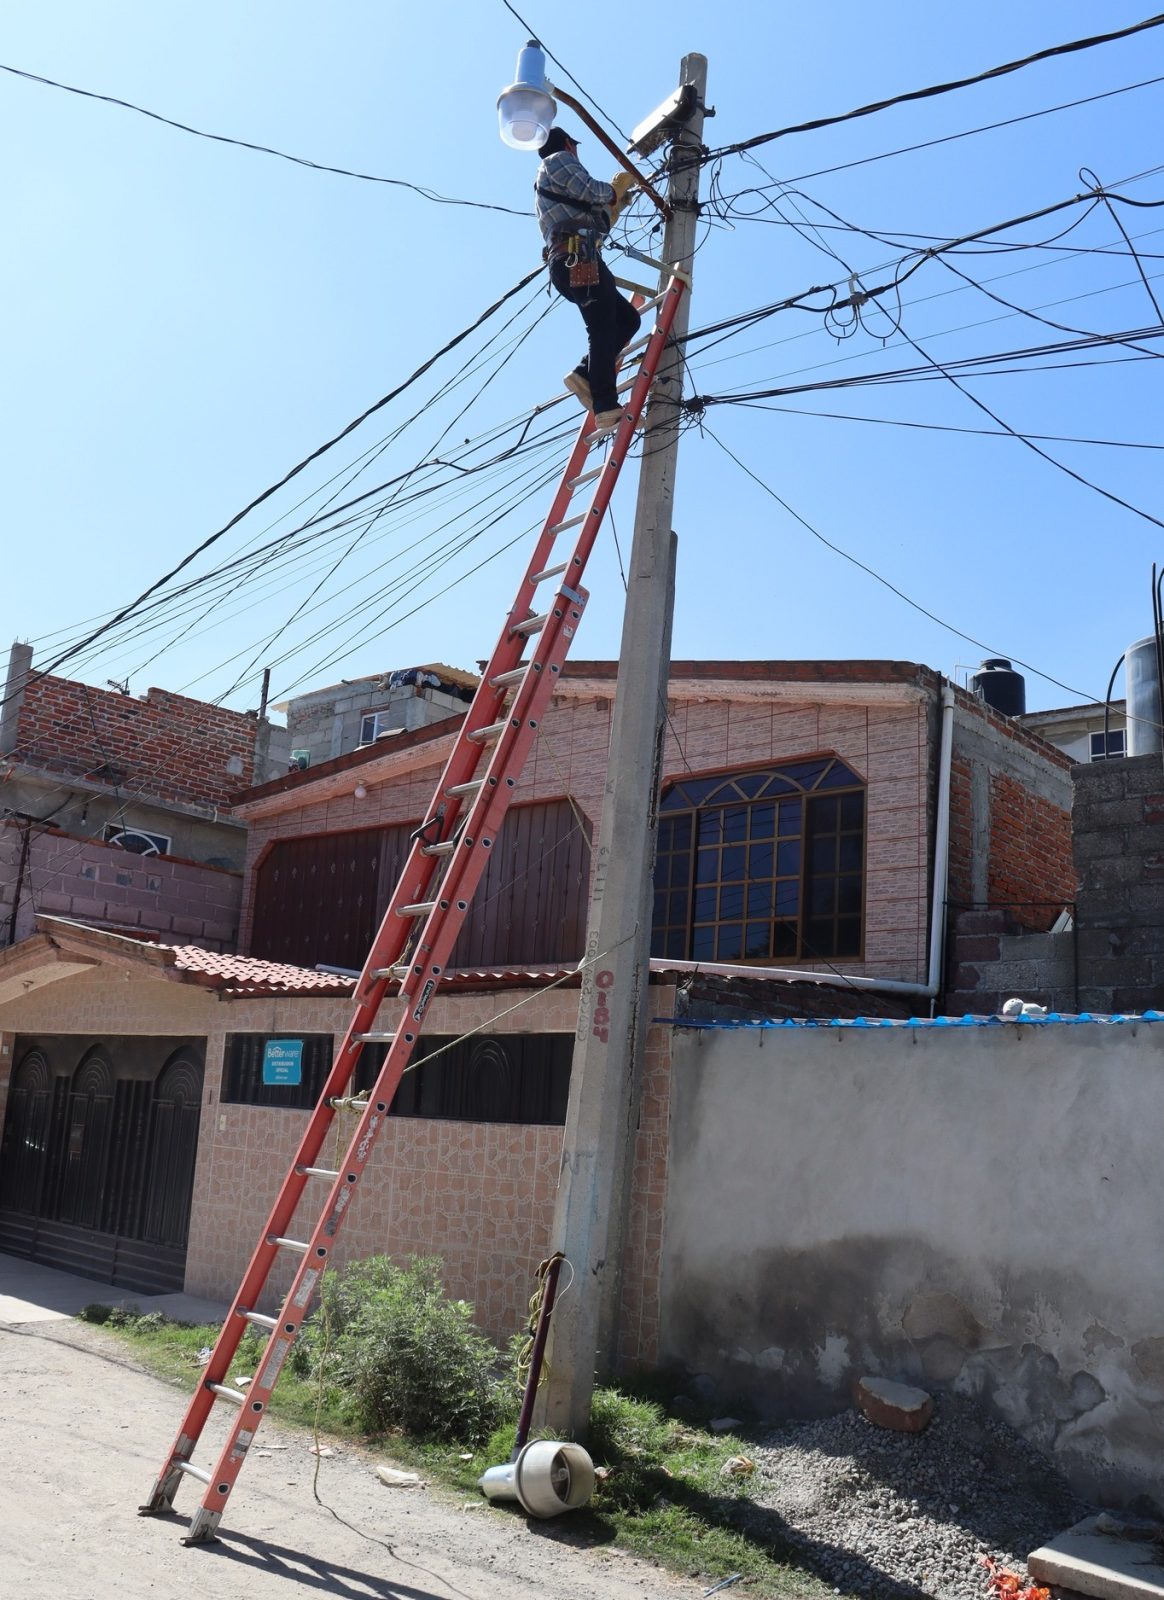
97,1156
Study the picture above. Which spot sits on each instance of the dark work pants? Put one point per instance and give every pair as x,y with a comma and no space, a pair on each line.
611,322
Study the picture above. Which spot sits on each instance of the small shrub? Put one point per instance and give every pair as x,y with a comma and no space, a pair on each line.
403,1355
123,1316
95,1313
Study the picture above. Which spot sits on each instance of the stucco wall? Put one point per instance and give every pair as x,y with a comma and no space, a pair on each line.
971,1208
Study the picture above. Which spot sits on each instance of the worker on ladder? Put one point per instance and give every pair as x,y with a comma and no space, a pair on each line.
575,213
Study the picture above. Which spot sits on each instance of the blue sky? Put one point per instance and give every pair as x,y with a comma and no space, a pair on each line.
187,320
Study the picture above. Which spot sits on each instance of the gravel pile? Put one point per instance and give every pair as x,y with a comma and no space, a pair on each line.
892,1514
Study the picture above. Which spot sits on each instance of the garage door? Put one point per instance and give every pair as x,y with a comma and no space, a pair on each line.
97,1156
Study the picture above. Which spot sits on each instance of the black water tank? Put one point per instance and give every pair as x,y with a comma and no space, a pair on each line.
1003,689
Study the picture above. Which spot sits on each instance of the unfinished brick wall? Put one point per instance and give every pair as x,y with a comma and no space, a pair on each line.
1010,819
1030,852
165,746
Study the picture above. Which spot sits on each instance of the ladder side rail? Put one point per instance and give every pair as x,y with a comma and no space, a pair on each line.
484,816
464,759
517,735
463,871
445,922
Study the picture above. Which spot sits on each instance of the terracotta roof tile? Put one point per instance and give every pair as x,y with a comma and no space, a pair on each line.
248,975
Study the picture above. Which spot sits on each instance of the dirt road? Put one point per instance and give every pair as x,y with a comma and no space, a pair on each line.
82,1430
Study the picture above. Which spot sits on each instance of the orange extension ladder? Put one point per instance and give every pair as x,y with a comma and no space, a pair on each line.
449,854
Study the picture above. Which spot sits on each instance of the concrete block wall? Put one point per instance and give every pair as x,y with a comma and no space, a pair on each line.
993,958
1119,857
66,876
327,723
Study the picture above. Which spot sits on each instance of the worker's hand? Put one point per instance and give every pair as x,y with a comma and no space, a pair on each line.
621,183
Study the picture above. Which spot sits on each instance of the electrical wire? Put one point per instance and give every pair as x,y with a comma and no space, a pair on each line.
966,133
939,88
940,427
294,471
989,650
262,149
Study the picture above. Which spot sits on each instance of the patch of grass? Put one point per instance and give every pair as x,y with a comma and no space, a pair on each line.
668,1500
665,1497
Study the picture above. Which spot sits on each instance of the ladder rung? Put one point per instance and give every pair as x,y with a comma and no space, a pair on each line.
480,735
288,1244
195,1472
343,1102
652,302
585,477
375,1038
260,1321
550,572
400,971
419,908
572,522
532,624
636,288
444,848
465,788
224,1392
316,1172
506,680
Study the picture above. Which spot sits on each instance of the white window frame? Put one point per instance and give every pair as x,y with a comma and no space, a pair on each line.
1117,745
116,832
370,729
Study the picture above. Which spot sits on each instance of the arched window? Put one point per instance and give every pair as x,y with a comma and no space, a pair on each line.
766,865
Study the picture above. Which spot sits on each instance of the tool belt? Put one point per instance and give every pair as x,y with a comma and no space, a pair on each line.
580,252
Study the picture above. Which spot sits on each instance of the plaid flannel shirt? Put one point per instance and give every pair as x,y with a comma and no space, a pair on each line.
566,175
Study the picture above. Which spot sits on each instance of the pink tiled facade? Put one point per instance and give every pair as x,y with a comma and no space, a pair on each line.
887,745
479,1195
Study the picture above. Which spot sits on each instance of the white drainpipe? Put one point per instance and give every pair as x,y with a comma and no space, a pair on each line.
838,980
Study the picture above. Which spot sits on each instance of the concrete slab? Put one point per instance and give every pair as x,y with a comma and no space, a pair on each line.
1103,1557
30,1292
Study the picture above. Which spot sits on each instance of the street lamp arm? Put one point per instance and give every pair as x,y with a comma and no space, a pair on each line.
601,134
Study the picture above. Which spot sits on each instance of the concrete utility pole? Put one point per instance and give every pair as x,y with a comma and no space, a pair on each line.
604,1087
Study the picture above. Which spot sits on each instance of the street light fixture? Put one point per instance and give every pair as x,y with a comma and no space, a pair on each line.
526,110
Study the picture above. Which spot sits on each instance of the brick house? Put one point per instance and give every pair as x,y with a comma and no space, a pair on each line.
802,810
115,809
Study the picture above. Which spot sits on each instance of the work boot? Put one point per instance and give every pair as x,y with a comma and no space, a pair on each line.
579,385
607,421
